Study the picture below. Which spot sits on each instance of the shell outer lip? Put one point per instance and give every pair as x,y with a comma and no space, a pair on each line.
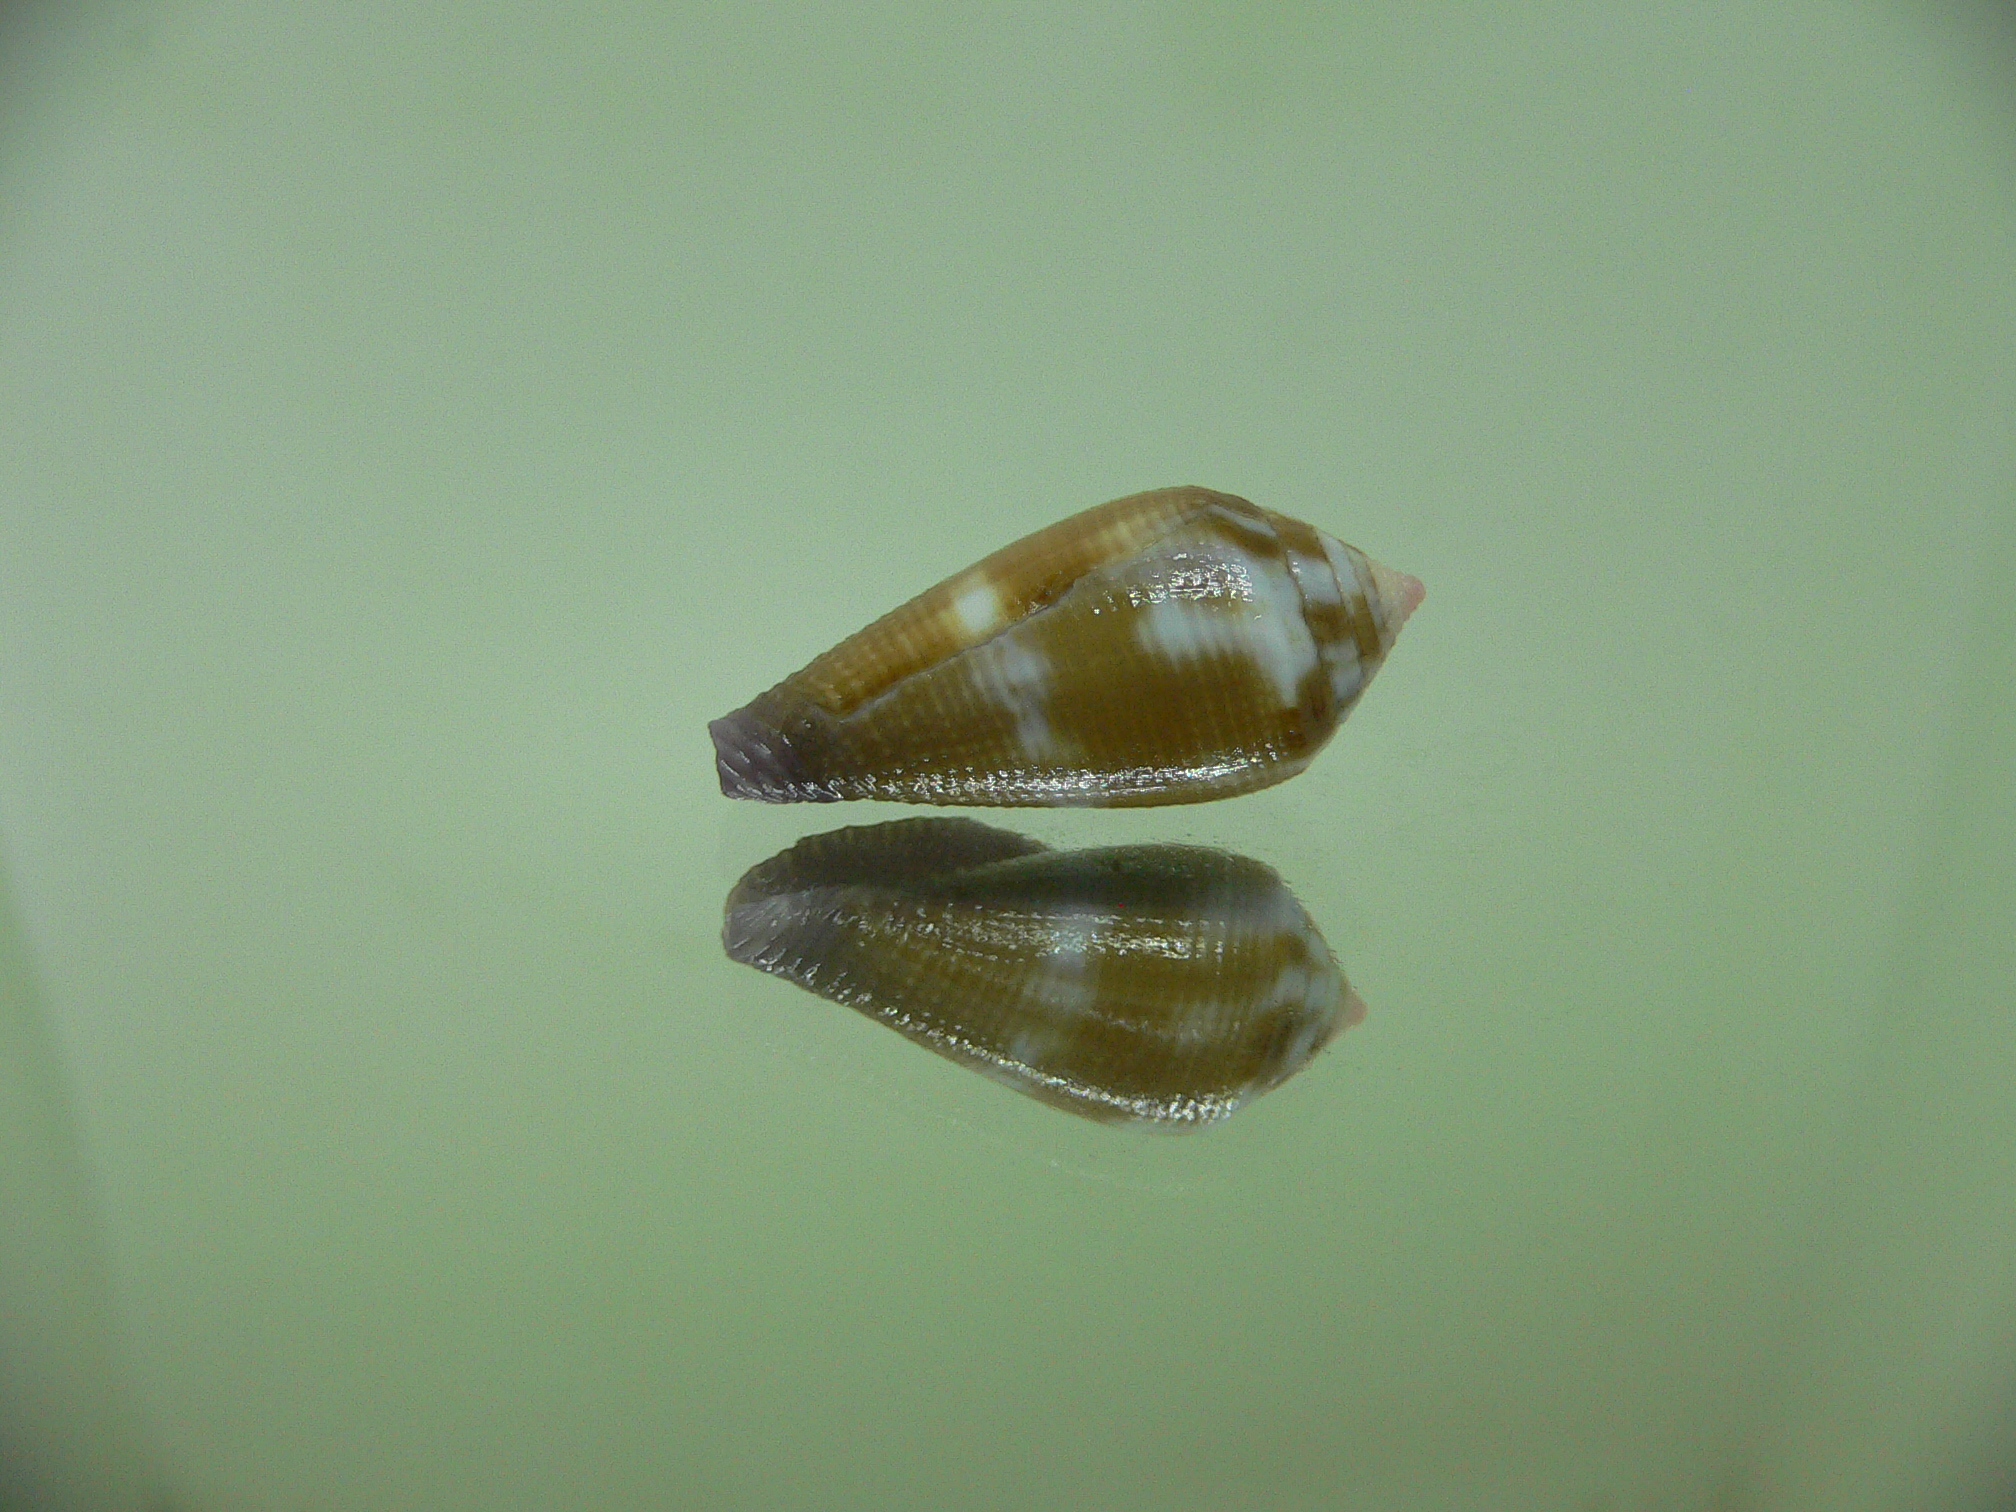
754,760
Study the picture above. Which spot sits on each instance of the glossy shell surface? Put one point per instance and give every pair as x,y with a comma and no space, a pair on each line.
1161,985
1169,647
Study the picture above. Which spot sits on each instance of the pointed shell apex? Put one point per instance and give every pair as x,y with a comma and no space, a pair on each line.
1400,594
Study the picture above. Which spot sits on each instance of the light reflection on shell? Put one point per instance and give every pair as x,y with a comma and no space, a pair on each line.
1169,647
1162,985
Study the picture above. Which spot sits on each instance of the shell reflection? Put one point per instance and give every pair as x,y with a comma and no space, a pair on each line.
1164,985
1169,647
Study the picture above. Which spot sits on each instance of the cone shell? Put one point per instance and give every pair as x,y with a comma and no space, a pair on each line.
1169,647
1163,985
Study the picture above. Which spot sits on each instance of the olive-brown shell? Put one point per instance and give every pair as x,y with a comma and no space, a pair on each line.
1169,647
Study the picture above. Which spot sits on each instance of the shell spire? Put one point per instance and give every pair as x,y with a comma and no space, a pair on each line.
1169,647
1159,985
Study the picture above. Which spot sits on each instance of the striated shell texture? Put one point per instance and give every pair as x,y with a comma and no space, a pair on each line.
1161,985
1168,647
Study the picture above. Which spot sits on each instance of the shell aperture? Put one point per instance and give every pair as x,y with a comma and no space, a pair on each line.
1174,646
1159,985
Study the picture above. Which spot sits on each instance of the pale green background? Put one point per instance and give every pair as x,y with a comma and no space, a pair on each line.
416,421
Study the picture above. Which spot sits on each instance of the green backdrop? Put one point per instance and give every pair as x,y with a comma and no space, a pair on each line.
418,420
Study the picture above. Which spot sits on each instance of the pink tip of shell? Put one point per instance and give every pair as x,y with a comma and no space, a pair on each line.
1400,594
1354,1008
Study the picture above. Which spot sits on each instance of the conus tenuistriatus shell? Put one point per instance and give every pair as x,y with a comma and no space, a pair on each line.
1161,985
1168,647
